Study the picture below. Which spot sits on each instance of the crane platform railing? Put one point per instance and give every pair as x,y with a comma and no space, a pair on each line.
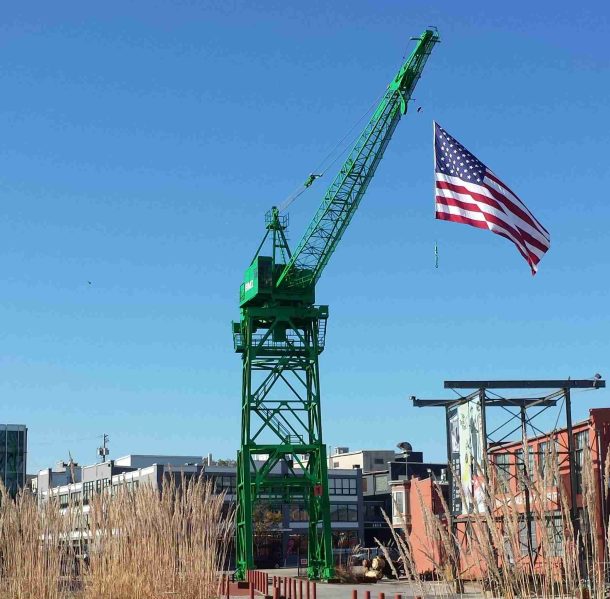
266,345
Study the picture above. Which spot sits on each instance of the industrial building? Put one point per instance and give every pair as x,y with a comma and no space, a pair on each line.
13,456
592,436
283,543
514,473
411,499
381,469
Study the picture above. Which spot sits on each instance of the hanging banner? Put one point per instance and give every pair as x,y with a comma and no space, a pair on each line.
471,456
454,444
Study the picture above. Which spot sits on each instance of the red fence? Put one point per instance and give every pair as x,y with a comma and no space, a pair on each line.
272,587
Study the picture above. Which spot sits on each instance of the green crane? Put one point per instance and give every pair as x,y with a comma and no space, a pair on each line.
281,333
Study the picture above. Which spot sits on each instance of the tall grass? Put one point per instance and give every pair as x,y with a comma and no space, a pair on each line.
133,544
488,548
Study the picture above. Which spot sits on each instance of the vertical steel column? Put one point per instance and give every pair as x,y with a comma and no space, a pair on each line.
526,490
320,563
571,462
244,556
483,398
454,541
602,488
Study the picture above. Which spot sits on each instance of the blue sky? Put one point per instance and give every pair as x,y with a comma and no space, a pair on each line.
142,143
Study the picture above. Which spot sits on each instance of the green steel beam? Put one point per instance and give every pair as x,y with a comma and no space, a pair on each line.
284,427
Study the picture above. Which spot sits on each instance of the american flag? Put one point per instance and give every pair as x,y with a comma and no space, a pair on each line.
468,192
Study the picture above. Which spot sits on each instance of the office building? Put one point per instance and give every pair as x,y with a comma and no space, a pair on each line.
283,541
13,456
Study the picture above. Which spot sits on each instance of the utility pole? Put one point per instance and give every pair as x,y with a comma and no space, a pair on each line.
103,451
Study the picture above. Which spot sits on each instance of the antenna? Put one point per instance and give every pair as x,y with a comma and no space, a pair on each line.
103,451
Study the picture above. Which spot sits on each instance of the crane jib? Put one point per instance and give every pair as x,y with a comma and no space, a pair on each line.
345,192
291,277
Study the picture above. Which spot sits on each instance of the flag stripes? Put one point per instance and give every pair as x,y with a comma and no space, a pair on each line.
468,192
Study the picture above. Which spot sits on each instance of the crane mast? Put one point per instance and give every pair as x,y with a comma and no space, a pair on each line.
281,333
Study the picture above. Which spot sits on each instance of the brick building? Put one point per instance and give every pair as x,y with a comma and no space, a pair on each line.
411,500
544,466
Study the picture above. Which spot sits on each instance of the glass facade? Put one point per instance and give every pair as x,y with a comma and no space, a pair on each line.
13,453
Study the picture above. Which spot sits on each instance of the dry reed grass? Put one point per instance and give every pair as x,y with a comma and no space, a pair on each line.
565,564
134,544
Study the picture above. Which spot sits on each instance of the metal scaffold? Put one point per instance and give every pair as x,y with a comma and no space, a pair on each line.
519,417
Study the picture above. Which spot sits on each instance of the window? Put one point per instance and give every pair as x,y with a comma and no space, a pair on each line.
524,473
343,512
88,488
76,497
547,461
531,463
352,512
381,483
373,511
63,500
554,532
379,461
580,443
399,502
342,486
225,484
298,513
523,536
584,529
520,470
101,484
503,471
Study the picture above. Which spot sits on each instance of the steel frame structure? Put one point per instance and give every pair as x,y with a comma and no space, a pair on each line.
284,428
480,390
